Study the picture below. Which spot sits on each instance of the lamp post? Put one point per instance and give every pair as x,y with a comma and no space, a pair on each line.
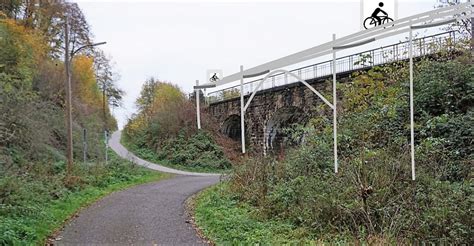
197,90
197,107
242,118
67,62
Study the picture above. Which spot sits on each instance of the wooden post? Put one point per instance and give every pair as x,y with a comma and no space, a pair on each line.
67,61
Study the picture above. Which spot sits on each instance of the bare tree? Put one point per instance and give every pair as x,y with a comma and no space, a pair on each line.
463,26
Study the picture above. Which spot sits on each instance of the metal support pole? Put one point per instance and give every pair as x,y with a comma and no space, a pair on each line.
67,61
412,122
106,135
242,126
84,143
361,15
334,103
198,111
265,138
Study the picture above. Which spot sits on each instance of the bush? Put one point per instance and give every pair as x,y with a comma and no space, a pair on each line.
34,203
373,197
165,130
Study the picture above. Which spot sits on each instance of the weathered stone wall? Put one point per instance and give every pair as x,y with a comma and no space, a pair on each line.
281,106
274,108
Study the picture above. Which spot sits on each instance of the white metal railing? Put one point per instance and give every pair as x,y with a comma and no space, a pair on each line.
383,55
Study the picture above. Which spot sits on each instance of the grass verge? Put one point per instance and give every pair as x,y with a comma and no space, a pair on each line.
224,220
38,215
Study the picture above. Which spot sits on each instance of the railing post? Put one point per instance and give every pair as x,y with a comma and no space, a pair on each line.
420,47
397,51
424,46
315,73
454,38
373,58
394,52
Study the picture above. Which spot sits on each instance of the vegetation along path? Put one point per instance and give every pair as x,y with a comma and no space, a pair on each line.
146,214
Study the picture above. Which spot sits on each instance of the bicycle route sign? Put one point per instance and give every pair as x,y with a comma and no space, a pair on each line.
377,12
214,75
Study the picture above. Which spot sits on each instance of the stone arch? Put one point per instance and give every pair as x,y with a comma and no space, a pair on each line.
231,127
275,136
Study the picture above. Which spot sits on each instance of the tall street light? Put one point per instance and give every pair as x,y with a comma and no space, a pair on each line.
197,90
67,62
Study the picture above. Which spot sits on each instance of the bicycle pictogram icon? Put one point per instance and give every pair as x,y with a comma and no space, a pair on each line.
214,78
376,20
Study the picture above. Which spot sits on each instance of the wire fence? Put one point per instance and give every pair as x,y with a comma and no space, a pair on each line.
387,54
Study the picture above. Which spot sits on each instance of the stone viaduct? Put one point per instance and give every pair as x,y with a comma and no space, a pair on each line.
280,106
271,111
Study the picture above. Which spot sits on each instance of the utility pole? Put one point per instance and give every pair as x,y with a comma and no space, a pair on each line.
106,135
69,154
68,55
104,94
84,144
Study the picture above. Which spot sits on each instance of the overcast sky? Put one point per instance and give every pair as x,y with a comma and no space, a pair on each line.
179,41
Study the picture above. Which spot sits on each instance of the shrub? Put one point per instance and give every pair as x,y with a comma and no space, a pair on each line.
373,195
165,130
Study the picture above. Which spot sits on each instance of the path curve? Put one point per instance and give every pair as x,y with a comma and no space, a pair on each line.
115,144
149,214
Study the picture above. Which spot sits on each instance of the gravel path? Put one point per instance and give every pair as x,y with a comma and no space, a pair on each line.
149,214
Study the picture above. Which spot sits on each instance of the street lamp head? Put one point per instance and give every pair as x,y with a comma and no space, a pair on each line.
197,87
97,44
86,46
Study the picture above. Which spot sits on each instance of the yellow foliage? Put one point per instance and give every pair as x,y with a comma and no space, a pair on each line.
138,123
27,45
166,94
32,40
158,99
85,81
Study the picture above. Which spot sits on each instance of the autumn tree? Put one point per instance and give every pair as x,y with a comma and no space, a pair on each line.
106,79
32,76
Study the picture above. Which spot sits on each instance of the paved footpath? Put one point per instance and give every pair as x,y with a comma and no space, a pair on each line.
147,214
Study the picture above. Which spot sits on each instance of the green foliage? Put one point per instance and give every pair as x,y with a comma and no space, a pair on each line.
32,98
35,196
226,221
372,199
440,92
198,153
35,203
199,150
230,93
164,131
